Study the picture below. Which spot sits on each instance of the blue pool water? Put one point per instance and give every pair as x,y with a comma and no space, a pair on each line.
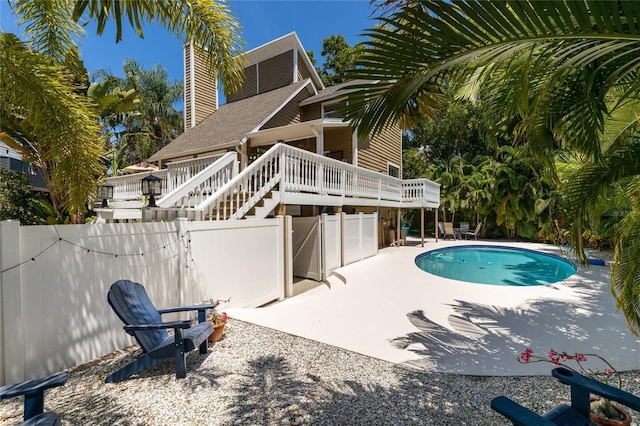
496,265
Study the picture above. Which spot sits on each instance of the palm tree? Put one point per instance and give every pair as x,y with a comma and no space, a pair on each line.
114,104
158,122
53,125
557,75
40,104
53,26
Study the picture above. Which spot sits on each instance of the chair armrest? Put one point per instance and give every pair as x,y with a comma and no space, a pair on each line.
187,308
586,385
33,386
517,414
170,324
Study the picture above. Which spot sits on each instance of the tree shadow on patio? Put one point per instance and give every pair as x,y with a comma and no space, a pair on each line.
487,339
275,393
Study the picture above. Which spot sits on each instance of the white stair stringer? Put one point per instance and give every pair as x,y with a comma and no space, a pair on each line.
269,203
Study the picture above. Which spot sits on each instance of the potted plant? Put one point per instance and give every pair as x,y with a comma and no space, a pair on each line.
603,412
217,319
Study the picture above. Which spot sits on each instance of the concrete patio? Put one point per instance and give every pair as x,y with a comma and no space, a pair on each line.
386,307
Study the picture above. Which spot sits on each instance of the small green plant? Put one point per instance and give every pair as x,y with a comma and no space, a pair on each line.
216,318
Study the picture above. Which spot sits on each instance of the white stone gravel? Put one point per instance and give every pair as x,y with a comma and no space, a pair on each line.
259,376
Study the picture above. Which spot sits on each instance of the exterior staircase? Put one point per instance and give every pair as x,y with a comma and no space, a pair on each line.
213,188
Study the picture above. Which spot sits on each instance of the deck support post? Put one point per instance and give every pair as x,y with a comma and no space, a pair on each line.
436,225
422,226
398,236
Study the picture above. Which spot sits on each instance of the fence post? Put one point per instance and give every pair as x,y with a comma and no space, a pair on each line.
343,218
182,224
286,224
11,324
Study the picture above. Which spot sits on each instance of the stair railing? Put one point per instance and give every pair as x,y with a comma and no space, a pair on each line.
234,199
128,187
202,184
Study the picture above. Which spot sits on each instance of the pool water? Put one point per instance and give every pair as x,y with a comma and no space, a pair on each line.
496,265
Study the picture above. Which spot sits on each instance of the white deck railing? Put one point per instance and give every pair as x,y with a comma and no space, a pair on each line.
218,192
200,186
417,193
129,187
296,171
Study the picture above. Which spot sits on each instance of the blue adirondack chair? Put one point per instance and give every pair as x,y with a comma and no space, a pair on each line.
143,321
33,391
575,414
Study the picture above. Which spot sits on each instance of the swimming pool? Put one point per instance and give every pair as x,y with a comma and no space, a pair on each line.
497,265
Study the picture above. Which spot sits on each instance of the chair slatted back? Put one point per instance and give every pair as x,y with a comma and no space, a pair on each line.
448,228
131,303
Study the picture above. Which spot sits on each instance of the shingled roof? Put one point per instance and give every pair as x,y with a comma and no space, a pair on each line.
229,125
332,92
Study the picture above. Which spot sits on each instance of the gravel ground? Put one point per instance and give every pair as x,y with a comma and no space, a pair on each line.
259,376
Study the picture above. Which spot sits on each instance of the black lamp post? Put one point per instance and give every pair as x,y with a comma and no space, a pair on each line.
105,191
151,187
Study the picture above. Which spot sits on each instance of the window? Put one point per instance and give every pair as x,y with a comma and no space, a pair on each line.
331,110
393,170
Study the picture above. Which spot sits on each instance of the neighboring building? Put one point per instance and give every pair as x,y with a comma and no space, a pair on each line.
12,160
282,100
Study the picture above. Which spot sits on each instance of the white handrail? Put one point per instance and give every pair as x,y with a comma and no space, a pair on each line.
128,187
237,197
420,193
199,186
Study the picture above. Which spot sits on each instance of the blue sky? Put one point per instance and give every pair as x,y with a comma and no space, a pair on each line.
262,21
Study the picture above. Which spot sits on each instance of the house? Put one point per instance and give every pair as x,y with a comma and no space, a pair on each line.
321,165
282,99
12,159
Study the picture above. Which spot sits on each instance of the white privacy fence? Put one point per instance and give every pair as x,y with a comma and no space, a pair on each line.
54,280
324,243
359,237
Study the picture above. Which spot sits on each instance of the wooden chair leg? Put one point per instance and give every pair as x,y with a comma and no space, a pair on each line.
181,363
181,356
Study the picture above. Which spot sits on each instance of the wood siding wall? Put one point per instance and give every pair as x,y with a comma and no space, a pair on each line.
337,142
249,86
311,112
270,74
276,72
204,100
382,149
303,71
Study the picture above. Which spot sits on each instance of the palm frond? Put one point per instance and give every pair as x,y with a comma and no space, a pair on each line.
209,24
49,27
626,270
420,48
56,124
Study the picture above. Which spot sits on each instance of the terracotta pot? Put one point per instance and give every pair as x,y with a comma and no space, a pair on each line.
217,332
603,421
